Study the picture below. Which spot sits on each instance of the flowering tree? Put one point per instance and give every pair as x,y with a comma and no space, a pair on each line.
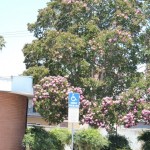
51,99
124,110
96,43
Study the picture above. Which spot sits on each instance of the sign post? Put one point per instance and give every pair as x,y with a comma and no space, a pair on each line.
73,111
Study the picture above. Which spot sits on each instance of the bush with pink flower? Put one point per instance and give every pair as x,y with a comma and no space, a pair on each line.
51,99
111,113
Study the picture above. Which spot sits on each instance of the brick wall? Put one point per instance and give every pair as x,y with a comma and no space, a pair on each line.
12,120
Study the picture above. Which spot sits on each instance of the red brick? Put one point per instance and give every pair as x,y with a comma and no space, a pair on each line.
13,110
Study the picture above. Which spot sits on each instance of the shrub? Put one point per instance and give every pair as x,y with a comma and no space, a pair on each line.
51,99
145,137
89,139
36,138
118,142
62,136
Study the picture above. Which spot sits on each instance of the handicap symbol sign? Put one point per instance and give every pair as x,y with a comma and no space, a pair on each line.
74,100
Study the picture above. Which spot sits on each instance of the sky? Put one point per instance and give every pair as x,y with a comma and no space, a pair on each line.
14,16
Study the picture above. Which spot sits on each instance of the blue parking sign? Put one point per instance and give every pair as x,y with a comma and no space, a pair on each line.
74,100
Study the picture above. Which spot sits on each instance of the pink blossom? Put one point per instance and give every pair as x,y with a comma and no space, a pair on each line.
34,99
84,5
138,11
117,102
110,40
126,17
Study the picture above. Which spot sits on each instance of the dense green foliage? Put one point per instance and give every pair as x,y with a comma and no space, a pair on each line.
97,44
145,137
145,36
89,139
63,137
37,72
118,142
37,138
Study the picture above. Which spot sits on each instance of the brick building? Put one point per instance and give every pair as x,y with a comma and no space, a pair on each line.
14,94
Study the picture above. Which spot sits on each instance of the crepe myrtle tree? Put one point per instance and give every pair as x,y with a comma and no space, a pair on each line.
128,109
51,99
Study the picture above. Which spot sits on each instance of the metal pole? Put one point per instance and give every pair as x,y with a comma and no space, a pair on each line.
72,137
